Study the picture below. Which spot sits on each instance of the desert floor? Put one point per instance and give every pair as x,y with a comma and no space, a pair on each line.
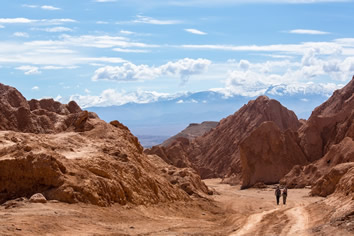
232,212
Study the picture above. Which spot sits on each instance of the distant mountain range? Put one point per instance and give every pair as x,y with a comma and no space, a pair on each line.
154,122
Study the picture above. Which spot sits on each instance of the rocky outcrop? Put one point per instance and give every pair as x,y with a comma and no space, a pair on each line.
76,157
339,179
329,123
193,131
43,116
268,154
216,153
301,176
175,154
327,139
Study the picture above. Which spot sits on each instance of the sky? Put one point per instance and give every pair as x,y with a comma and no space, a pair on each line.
112,52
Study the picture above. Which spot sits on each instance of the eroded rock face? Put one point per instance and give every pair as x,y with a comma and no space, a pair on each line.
328,141
339,179
81,167
216,153
329,123
301,176
193,131
72,156
268,153
44,116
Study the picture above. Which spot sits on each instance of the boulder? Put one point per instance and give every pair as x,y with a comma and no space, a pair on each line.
38,198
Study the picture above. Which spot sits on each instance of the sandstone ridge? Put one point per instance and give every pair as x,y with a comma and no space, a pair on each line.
72,156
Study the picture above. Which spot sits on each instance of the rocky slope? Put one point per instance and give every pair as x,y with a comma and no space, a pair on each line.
193,131
268,154
44,116
327,138
216,153
72,156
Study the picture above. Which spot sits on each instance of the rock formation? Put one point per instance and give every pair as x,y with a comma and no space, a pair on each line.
268,154
327,139
71,155
216,153
193,131
44,116
329,123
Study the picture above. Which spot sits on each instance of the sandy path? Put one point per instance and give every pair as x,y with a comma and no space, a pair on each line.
256,212
233,212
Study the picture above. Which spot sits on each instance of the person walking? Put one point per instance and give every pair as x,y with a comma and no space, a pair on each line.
277,194
285,194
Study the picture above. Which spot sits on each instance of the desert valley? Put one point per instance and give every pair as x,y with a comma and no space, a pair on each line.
64,171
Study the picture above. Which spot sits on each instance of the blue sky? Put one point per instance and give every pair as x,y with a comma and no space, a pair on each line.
110,52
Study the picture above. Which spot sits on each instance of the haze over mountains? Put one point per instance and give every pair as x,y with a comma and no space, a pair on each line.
154,122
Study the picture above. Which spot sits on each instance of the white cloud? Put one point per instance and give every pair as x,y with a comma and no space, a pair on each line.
195,31
130,50
54,29
102,41
35,88
29,70
316,73
16,21
57,67
116,60
126,32
44,7
111,97
150,20
101,22
21,34
1,26
32,21
307,31
29,6
50,8
183,68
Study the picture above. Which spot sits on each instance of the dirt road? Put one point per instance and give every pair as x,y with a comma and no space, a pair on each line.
233,212
256,212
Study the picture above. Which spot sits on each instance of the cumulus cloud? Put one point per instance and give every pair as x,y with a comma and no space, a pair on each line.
183,68
195,31
35,88
315,73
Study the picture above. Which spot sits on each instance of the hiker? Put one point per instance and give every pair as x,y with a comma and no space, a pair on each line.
277,194
285,194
